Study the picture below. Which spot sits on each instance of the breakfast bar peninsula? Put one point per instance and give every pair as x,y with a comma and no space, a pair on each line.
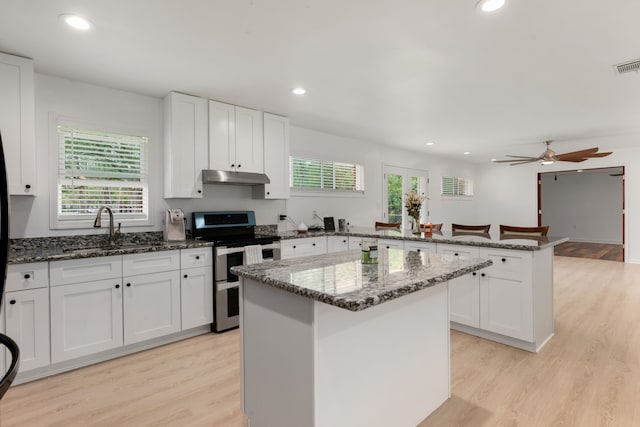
329,341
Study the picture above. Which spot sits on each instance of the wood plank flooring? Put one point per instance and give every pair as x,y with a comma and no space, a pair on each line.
602,251
587,375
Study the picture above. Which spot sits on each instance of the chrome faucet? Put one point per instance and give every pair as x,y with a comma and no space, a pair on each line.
113,234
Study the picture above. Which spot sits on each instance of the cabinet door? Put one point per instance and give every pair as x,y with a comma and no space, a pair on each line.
86,318
196,292
337,243
21,277
186,145
196,257
464,300
355,242
420,246
222,136
17,123
151,306
506,294
276,158
27,322
249,147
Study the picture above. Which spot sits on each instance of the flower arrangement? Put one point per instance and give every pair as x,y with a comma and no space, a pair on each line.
413,204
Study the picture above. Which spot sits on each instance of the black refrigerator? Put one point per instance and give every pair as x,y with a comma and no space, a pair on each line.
13,353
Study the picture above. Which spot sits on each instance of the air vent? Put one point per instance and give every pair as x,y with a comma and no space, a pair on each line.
629,66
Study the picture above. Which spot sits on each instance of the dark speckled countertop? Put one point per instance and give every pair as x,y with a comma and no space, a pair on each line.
38,249
340,279
504,241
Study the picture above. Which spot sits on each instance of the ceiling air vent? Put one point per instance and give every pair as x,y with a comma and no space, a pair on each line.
629,66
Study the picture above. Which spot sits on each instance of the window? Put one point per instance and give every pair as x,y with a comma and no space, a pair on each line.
98,168
310,174
453,186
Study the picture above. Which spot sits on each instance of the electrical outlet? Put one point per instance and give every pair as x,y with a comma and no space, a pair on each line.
282,217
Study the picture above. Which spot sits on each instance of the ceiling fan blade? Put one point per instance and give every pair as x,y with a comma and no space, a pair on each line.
523,157
522,162
573,159
580,153
605,154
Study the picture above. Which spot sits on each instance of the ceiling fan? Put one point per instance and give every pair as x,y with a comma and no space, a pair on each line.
549,156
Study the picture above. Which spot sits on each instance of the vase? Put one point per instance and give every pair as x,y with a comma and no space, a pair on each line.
416,226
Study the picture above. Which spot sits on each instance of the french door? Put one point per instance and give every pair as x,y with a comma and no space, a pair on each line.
397,182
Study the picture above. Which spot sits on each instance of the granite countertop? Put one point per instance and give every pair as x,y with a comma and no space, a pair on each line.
505,241
39,249
340,279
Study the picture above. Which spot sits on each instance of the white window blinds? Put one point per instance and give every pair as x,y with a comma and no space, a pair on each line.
454,186
100,168
312,174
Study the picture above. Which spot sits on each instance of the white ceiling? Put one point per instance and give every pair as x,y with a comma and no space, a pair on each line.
399,72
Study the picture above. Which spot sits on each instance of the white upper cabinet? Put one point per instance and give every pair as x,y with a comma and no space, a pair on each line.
235,138
186,145
17,123
276,158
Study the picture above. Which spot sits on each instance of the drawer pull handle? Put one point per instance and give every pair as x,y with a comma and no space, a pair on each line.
504,260
268,192
28,186
474,273
313,244
294,246
197,256
117,286
482,274
128,285
185,276
199,191
239,166
27,276
12,302
233,165
388,247
456,254
418,250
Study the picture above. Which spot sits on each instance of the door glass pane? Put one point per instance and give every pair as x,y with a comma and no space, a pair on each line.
415,184
394,202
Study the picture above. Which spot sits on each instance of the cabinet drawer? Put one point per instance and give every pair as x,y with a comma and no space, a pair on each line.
303,247
459,250
27,276
508,264
355,242
390,244
151,262
197,257
420,247
85,270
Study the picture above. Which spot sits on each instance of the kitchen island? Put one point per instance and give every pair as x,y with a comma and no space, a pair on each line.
329,341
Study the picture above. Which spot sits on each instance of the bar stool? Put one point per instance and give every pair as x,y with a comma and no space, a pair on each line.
524,231
470,228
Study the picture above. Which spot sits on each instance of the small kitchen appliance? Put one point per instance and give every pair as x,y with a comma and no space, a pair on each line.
174,225
235,243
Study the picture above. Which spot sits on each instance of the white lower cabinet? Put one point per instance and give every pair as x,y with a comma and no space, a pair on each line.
295,248
355,242
337,243
26,308
151,305
196,290
86,318
506,294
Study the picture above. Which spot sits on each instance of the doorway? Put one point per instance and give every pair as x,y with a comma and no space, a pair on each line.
588,206
397,182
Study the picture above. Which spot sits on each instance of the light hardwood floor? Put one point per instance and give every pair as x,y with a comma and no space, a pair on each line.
587,375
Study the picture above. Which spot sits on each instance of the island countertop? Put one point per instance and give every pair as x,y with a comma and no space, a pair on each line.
494,240
340,279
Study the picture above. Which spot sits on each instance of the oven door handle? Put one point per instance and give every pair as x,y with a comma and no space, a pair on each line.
223,286
227,251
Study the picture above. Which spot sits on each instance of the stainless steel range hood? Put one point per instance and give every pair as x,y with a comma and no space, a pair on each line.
237,178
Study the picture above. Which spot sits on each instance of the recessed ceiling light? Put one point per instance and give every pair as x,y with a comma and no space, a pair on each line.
299,90
494,160
75,21
429,143
489,5
579,170
467,152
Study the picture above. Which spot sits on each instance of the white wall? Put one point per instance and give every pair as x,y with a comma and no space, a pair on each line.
117,109
586,206
365,210
508,194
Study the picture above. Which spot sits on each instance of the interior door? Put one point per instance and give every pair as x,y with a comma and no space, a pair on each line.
396,183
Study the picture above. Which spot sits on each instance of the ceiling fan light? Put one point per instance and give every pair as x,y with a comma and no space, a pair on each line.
489,5
547,162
